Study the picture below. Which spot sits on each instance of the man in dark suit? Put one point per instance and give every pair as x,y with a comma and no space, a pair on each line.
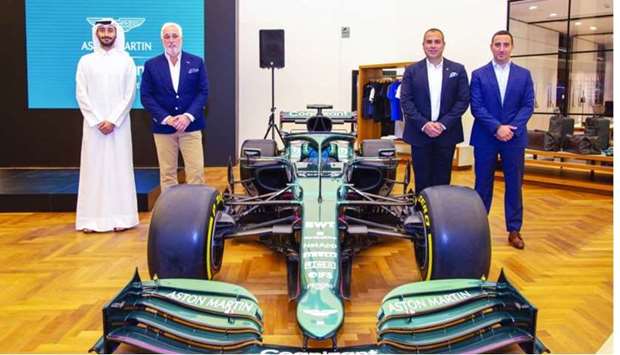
174,91
434,96
502,101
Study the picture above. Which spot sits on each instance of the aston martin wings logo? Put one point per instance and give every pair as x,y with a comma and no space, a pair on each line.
127,23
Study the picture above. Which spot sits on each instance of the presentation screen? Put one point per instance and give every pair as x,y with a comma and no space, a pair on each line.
58,33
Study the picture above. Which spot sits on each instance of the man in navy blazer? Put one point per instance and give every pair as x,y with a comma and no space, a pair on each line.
434,96
174,91
502,101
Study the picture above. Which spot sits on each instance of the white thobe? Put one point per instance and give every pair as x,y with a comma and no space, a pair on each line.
105,90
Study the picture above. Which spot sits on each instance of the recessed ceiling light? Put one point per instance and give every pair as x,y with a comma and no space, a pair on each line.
533,7
593,28
577,23
553,14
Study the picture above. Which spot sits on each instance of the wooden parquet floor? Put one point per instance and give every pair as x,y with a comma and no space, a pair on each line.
54,280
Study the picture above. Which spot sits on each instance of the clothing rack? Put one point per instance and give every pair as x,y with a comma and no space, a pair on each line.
366,128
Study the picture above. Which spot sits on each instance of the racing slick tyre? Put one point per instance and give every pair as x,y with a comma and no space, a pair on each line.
456,242
182,242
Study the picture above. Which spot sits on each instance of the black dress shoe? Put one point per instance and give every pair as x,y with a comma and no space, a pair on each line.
515,239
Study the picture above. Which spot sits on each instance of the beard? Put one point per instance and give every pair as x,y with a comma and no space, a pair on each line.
173,51
107,42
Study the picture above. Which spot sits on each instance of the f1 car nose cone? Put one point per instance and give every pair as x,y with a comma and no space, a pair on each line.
319,314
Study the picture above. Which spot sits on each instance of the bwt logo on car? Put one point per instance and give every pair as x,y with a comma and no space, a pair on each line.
128,24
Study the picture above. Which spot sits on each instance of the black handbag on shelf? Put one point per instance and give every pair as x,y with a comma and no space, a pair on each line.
598,127
581,144
561,126
543,140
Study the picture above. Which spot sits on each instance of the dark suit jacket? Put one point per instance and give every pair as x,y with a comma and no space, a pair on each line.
488,111
416,103
160,100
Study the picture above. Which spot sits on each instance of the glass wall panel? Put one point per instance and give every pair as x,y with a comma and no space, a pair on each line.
534,38
589,82
587,8
544,71
569,53
539,10
591,34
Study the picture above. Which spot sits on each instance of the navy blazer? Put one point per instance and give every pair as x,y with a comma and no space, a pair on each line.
415,100
488,110
159,98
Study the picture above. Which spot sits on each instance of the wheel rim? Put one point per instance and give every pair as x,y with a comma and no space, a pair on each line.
217,248
421,249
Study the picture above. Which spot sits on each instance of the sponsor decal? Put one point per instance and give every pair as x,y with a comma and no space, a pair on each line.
320,274
422,304
328,265
319,237
319,246
320,254
306,113
322,313
225,305
318,286
320,225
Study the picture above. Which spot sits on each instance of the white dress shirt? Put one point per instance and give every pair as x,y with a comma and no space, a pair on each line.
501,74
175,71
435,75
175,74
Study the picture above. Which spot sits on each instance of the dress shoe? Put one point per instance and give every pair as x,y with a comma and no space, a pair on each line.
515,239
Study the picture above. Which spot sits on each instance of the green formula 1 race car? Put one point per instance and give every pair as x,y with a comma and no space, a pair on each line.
318,202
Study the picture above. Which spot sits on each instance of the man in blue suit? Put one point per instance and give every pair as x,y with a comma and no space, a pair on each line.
174,91
434,95
502,101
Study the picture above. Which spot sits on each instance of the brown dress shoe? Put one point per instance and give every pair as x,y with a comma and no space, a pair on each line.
515,239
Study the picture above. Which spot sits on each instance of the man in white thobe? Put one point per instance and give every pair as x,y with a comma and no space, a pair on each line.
105,91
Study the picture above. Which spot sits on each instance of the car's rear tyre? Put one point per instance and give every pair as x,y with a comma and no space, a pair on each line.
456,242
182,242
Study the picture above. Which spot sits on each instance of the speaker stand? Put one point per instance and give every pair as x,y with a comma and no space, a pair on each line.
272,127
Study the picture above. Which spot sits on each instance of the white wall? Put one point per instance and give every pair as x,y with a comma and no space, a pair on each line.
319,62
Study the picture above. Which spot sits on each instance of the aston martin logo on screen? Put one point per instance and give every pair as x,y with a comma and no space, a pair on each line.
127,23
52,64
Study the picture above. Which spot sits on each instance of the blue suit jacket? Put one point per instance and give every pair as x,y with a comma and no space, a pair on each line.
415,100
488,111
159,98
